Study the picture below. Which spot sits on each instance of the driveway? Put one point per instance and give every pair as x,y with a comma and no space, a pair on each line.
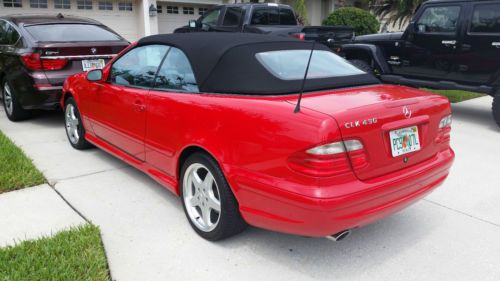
453,234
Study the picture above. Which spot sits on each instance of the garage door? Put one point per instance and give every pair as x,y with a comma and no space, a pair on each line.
119,15
174,15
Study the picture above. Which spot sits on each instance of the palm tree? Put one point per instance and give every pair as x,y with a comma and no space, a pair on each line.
395,11
301,11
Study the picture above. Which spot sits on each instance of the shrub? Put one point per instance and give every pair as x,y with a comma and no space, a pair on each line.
362,21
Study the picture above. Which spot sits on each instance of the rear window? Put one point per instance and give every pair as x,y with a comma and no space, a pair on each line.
273,15
71,33
291,64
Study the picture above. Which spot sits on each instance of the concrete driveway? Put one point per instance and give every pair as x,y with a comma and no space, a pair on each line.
454,234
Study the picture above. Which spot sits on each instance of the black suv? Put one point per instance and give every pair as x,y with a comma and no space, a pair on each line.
38,52
449,44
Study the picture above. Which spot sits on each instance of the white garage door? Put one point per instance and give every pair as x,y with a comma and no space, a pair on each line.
119,15
174,15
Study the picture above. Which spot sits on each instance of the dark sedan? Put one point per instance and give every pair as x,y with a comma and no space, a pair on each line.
37,53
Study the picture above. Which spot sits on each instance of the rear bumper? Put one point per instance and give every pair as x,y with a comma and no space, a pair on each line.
364,202
42,98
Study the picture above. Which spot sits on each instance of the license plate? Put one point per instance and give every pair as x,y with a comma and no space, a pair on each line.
404,141
92,64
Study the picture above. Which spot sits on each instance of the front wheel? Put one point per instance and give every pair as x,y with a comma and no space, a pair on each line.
209,203
74,126
496,108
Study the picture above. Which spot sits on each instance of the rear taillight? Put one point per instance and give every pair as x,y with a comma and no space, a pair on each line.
330,159
443,134
32,61
300,36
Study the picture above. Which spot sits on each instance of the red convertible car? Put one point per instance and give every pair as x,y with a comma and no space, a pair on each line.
215,119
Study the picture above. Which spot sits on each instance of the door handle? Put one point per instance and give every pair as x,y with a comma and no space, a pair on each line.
139,106
496,45
448,43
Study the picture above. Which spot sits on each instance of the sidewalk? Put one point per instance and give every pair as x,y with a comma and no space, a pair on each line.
453,234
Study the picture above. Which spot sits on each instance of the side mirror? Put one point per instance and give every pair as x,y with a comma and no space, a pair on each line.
192,24
94,75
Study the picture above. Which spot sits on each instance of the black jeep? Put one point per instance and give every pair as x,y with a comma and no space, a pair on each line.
449,44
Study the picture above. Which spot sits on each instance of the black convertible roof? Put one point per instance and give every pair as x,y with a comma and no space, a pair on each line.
226,62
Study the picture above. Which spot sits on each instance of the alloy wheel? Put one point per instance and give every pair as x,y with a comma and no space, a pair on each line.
201,197
72,124
7,99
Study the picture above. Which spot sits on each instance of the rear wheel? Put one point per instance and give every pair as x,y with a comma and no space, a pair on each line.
74,126
208,201
13,110
363,65
496,107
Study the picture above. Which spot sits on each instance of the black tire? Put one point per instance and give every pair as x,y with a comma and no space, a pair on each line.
496,108
15,112
363,65
80,143
230,221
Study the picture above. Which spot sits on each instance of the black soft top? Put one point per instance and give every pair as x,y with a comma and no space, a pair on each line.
226,63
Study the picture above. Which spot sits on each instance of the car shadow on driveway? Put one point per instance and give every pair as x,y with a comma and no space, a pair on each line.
477,112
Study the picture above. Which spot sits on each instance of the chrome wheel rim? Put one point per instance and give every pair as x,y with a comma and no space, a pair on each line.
201,197
7,99
72,124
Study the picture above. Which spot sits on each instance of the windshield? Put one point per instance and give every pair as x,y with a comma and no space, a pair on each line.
71,33
291,64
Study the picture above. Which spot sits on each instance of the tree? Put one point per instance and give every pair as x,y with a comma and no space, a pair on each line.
301,11
395,11
361,20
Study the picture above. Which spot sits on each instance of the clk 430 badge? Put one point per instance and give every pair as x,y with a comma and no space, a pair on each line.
359,123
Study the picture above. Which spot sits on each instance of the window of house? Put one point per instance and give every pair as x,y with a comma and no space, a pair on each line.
106,5
486,19
62,4
84,4
125,6
159,9
172,10
202,11
188,10
13,3
38,4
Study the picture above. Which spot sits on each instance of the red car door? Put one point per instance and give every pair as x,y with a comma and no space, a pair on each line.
120,111
167,103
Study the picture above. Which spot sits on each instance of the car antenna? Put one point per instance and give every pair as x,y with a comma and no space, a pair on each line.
297,108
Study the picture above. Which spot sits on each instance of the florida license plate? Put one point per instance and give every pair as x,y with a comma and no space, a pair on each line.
92,64
405,140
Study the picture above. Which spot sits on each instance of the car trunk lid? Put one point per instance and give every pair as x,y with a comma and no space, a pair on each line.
75,56
369,114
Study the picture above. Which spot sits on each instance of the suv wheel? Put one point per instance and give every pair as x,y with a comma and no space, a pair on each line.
363,65
208,201
74,126
13,109
496,107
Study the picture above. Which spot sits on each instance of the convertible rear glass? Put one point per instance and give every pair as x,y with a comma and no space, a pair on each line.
291,64
70,32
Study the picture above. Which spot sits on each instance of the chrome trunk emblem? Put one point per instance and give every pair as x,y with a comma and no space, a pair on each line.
93,51
407,112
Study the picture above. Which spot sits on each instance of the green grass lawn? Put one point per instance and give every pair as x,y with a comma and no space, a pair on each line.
16,170
456,95
76,254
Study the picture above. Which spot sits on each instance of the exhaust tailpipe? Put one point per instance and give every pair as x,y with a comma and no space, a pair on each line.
340,235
